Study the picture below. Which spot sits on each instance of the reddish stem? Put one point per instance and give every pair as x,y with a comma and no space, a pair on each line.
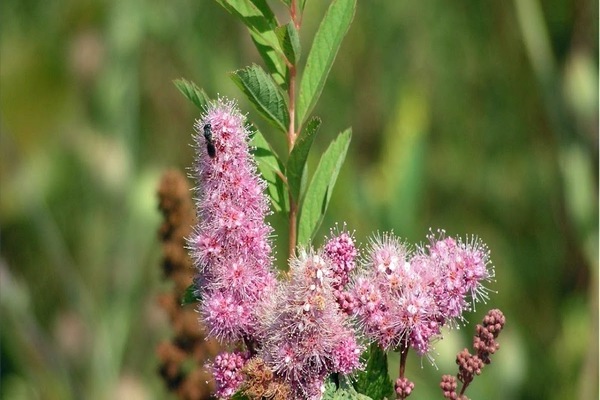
403,356
291,136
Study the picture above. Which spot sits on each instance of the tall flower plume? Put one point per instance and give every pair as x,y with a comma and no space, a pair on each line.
230,246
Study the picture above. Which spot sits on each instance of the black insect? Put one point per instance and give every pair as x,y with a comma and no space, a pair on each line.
210,145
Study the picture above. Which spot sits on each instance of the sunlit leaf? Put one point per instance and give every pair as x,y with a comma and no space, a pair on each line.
261,22
319,191
324,49
297,161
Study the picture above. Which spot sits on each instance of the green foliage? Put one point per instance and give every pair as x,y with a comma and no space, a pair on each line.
319,190
191,295
192,92
289,41
375,381
264,94
272,170
343,392
296,164
239,396
325,46
261,23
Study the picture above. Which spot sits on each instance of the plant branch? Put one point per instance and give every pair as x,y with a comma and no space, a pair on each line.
403,356
291,141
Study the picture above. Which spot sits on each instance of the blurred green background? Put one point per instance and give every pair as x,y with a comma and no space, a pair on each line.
476,117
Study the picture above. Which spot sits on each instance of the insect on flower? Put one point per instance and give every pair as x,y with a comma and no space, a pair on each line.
210,145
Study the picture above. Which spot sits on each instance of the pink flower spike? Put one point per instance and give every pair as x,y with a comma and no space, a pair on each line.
231,245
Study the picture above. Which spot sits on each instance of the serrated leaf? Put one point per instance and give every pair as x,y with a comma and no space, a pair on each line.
192,93
375,381
324,49
271,170
297,161
319,191
191,295
289,41
262,91
261,22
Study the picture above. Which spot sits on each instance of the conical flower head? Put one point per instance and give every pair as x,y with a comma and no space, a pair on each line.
231,248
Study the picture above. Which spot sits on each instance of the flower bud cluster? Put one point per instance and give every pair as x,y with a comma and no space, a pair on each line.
403,387
470,365
227,371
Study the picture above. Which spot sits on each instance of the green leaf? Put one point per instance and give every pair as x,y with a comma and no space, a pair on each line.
266,11
239,396
375,381
272,59
192,93
289,41
319,191
191,295
325,46
271,170
261,22
297,161
344,392
264,94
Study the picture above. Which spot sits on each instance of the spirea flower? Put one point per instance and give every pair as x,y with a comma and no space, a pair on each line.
305,335
391,300
403,298
459,270
227,372
231,248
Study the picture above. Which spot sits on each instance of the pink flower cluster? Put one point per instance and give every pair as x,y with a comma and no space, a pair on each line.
403,298
230,247
302,328
306,336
